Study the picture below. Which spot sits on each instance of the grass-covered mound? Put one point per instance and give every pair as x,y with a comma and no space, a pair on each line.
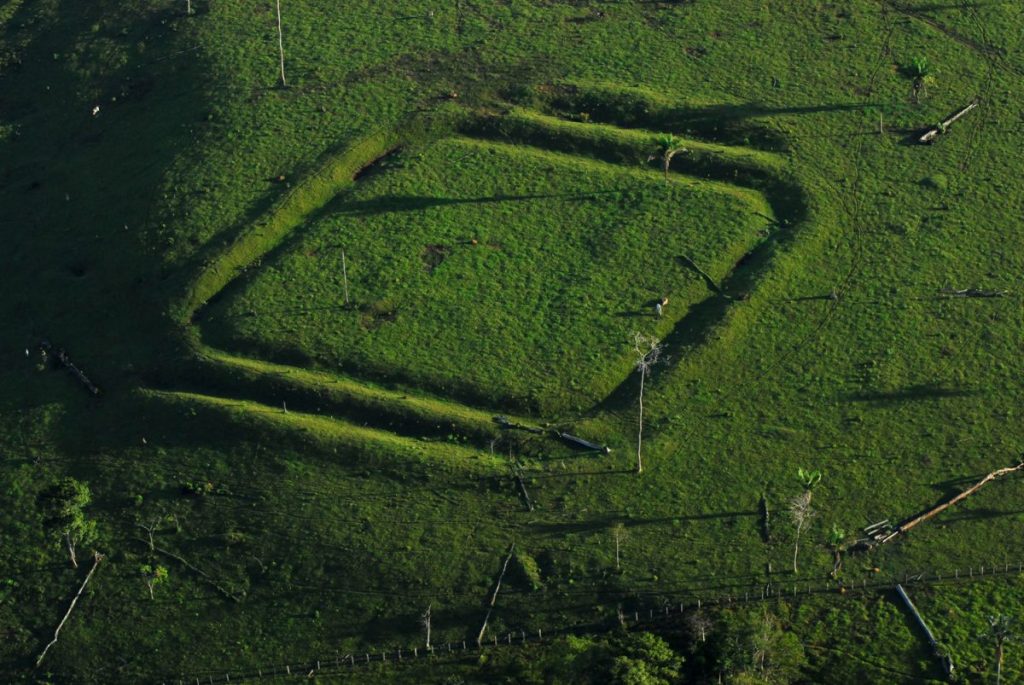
505,275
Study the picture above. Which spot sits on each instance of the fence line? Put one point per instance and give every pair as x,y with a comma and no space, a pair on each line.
637,617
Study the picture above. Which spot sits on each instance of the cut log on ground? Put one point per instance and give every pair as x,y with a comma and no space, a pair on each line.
584,443
931,134
921,518
947,663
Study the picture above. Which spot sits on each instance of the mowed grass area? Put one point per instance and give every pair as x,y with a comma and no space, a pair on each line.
497,274
332,538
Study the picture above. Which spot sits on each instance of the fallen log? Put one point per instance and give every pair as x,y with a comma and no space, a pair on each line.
504,422
931,134
947,663
583,443
206,577
921,518
61,359
494,596
973,292
96,559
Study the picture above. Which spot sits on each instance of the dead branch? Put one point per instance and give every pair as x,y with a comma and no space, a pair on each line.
96,559
921,518
201,573
494,596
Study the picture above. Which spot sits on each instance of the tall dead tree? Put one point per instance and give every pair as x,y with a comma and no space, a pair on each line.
280,43
800,507
619,533
801,513
425,619
648,351
1001,631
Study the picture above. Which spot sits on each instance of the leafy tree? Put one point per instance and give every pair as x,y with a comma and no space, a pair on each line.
620,659
153,575
758,649
64,503
646,659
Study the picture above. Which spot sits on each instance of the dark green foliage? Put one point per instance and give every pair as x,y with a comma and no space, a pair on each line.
633,658
755,646
64,505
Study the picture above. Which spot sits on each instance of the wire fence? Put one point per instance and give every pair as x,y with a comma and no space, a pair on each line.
616,616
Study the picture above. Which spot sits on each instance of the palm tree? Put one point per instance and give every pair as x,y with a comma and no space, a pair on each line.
923,76
669,146
1000,629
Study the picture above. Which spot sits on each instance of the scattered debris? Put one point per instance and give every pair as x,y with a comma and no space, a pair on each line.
583,443
874,533
931,134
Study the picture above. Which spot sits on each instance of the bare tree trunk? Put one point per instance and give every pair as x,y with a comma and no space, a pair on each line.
494,597
188,7
796,544
149,584
71,548
837,563
640,428
907,525
149,531
999,662
616,551
344,273
426,624
97,558
280,42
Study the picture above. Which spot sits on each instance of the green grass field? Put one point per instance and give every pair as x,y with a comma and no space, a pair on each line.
506,275
316,475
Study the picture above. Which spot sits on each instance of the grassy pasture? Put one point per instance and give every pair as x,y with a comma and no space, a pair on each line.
335,535
570,255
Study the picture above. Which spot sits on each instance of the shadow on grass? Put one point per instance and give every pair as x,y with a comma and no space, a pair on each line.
983,514
413,203
923,391
727,123
606,522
